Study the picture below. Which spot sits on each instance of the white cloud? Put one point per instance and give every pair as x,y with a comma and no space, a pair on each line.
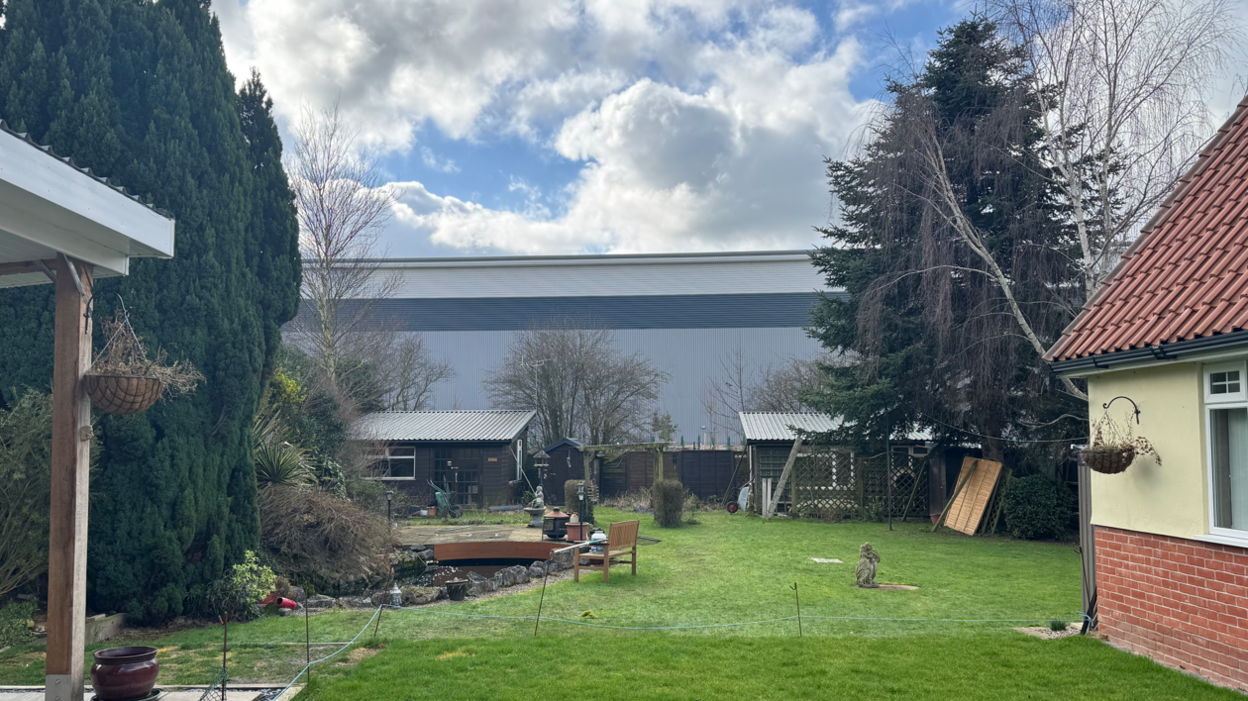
697,124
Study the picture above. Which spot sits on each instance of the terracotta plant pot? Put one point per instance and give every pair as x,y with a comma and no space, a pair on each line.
124,673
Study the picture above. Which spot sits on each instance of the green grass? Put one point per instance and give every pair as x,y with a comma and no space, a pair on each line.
927,666
728,569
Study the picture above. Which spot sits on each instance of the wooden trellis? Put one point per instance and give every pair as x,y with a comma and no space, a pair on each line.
831,482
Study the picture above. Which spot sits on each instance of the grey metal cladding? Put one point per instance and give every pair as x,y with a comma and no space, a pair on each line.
785,310
501,426
778,426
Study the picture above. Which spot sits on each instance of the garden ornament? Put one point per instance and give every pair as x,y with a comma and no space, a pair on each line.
868,558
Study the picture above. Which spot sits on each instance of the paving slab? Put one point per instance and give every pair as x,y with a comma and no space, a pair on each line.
439,535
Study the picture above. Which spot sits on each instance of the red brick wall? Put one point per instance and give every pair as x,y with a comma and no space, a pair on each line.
1181,602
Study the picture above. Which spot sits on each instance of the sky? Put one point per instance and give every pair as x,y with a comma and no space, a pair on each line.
590,126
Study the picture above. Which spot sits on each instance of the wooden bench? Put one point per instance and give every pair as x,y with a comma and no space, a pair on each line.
621,541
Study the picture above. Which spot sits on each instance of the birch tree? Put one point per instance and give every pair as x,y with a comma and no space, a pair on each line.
343,207
1121,87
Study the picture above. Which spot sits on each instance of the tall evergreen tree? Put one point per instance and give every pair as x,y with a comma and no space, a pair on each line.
926,337
140,93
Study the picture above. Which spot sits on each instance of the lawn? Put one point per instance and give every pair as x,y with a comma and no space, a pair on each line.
953,635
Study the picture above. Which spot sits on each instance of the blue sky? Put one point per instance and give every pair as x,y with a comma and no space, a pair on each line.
570,126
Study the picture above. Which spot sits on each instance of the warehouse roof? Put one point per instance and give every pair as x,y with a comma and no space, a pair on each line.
444,426
778,426
1186,276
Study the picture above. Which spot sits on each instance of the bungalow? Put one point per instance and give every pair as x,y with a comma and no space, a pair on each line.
472,454
1163,346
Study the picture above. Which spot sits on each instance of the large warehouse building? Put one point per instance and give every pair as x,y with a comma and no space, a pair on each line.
686,313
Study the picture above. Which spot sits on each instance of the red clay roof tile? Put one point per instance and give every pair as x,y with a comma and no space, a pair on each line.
1187,274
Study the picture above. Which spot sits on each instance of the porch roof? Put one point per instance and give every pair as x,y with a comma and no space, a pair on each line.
50,207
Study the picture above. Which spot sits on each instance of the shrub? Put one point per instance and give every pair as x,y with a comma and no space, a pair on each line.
635,500
1058,626
691,508
324,538
571,504
245,586
15,623
1037,508
669,502
25,453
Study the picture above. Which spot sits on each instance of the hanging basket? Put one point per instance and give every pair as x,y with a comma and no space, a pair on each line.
123,394
1109,460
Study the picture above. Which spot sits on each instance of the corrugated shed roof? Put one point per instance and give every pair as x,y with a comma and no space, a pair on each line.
24,136
775,426
1186,276
443,426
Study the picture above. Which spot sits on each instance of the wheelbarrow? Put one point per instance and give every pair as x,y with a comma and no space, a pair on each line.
445,506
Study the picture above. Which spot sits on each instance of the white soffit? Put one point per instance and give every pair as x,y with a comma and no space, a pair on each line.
48,206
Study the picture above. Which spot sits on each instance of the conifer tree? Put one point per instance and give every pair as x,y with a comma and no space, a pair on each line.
926,338
140,93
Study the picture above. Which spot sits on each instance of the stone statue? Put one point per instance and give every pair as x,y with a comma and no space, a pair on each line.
868,558
538,497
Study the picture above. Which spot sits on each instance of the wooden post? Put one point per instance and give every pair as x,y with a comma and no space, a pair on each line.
784,477
71,455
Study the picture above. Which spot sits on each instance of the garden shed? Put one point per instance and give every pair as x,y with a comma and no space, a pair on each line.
472,454
565,463
830,480
61,224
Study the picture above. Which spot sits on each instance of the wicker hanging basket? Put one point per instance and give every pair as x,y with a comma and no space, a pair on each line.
123,394
1109,460
122,380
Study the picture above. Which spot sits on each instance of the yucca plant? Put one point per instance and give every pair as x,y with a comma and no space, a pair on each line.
282,464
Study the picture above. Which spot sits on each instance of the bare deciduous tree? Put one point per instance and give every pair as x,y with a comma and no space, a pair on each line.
1121,86
579,384
343,207
739,387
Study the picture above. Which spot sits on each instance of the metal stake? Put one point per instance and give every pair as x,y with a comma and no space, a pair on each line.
225,647
378,626
542,600
307,633
799,609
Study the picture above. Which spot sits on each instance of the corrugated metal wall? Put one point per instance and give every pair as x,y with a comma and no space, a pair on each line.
767,272
691,356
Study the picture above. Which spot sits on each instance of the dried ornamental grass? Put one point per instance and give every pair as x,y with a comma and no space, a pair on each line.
122,380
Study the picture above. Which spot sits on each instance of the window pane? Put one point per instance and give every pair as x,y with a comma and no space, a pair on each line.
403,467
403,452
1229,434
1224,382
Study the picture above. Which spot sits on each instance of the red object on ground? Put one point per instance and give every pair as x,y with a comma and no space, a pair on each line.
123,673
282,602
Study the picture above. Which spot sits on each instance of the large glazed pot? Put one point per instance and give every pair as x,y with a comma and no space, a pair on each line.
124,673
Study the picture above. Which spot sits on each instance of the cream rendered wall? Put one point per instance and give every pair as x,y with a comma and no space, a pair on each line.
1171,498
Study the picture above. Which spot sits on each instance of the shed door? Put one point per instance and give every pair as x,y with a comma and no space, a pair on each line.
458,471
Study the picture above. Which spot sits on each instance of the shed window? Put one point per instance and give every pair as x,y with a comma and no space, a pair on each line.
395,462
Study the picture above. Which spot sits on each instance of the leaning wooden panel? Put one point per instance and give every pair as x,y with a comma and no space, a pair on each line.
975,484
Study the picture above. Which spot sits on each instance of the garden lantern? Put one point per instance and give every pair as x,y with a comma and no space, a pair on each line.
389,505
555,524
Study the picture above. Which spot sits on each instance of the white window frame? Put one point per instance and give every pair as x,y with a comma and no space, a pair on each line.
1238,397
1214,402
386,456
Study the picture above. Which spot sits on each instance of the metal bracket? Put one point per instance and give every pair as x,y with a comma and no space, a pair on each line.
1105,406
73,272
